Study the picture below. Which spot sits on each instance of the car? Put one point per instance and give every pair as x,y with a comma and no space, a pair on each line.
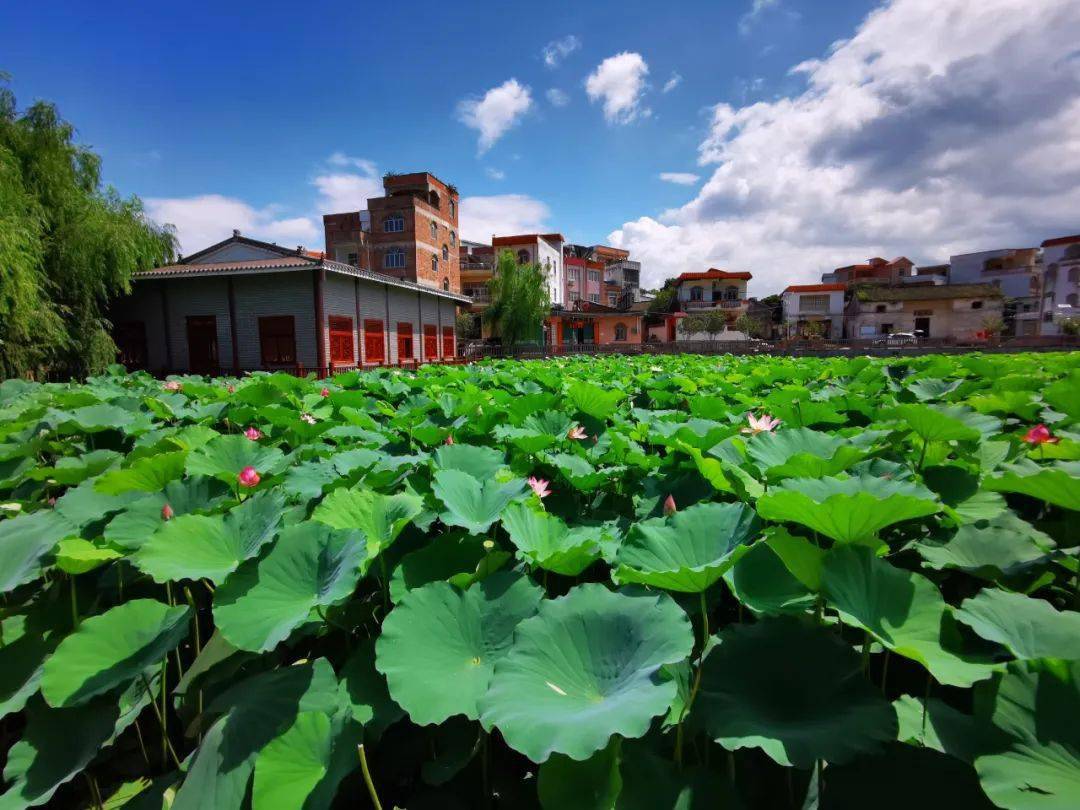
899,339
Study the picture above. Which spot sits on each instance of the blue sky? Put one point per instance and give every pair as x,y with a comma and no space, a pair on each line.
263,116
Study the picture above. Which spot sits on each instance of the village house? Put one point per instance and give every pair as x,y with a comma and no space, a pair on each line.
544,249
1017,272
821,304
244,305
1061,302
960,311
594,324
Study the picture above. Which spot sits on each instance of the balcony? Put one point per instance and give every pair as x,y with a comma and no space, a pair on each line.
717,303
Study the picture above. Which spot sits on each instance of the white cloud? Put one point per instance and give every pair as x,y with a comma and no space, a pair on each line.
208,218
558,49
495,174
679,178
672,83
498,110
620,82
941,126
502,214
347,191
751,17
557,98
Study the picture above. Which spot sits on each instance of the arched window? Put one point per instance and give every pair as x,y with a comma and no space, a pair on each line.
620,331
445,253
523,257
976,304
731,294
453,238
434,264
433,198
395,223
394,258
434,231
1074,275
696,293
446,284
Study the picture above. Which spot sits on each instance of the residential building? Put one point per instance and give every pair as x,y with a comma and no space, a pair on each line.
411,233
875,271
822,304
477,263
584,281
544,249
1061,299
1017,272
624,275
243,304
713,289
959,311
594,324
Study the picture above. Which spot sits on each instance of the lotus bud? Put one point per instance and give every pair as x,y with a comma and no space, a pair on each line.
248,477
167,512
669,506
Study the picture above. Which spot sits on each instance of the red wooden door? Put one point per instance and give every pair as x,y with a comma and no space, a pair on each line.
202,344
431,342
374,345
448,342
405,342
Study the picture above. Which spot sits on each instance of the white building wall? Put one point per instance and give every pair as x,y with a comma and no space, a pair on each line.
1062,293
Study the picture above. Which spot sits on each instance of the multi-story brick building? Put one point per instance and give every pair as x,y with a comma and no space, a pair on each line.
411,233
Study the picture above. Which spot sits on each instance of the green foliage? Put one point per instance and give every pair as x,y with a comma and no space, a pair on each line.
711,323
873,602
67,246
519,300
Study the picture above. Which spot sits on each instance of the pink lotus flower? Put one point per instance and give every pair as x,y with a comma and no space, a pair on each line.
448,440
540,487
577,433
253,433
760,424
248,477
325,392
231,389
307,417
669,506
167,512
172,385
1040,434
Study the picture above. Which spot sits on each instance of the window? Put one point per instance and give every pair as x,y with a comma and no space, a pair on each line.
341,340
594,275
1072,252
374,346
404,341
594,298
434,231
277,340
453,210
731,294
696,293
523,257
354,259
880,308
431,342
433,199
395,223
435,265
1074,275
446,284
445,253
886,328
976,304
394,258
612,299
813,303
1071,299
448,341
575,274
453,238
620,331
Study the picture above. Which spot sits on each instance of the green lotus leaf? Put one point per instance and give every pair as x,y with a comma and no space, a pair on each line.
599,403
547,542
801,453
650,781
1057,483
1064,395
22,660
149,474
365,693
901,778
943,423
471,504
138,522
446,558
25,542
253,712
438,635
761,581
303,766
95,419
480,462
70,470
793,690
77,556
310,567
593,784
579,472
224,458
1004,546
529,441
801,557
1026,627
306,481
935,724
1036,705
902,610
453,745
689,550
960,492
586,667
211,547
930,388
380,517
83,505
848,510
111,649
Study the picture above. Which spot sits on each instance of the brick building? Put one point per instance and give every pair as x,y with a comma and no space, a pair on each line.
410,233
244,305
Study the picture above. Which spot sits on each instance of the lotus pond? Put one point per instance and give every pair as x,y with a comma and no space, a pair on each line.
644,582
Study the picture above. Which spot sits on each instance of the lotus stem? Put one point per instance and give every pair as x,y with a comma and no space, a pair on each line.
367,778
884,672
922,455
697,680
74,604
161,721
95,792
142,743
164,707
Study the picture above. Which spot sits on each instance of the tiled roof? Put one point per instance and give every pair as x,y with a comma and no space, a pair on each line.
928,293
526,238
195,268
801,288
715,274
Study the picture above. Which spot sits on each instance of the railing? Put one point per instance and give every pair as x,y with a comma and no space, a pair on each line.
716,303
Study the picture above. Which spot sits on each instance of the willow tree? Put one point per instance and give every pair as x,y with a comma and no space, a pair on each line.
67,246
519,300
